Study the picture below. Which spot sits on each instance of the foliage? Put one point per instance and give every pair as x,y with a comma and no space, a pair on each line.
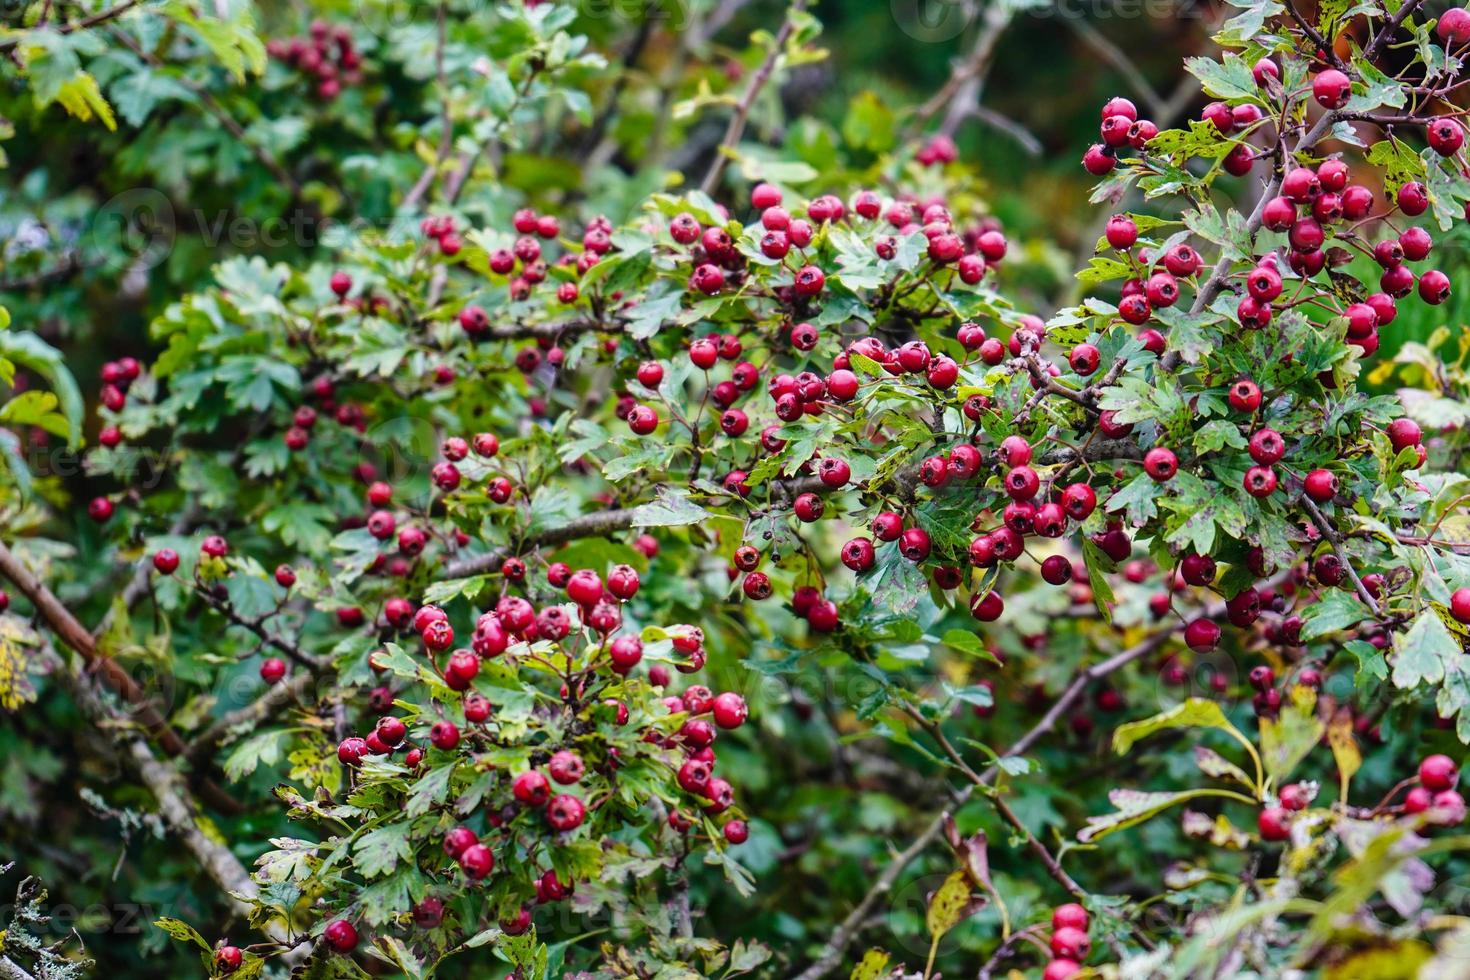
546,407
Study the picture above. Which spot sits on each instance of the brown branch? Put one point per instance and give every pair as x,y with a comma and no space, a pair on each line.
962,89
92,20
446,136
176,805
211,105
276,699
747,101
1389,29
1121,63
587,526
1211,287
1313,35
1335,539
847,930
257,626
75,635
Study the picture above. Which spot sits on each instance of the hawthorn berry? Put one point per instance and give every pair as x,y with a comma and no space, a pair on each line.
341,936
1160,464
227,959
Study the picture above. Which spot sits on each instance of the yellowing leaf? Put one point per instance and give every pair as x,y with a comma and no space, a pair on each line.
1194,713
871,966
81,97
1344,748
1287,739
950,905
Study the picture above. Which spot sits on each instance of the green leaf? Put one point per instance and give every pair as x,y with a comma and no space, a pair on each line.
1194,713
968,643
1420,653
1286,739
183,932
1133,807
263,749
869,123
671,508
30,351
1338,610
873,965
1212,763
36,408
1229,78
379,851
1098,565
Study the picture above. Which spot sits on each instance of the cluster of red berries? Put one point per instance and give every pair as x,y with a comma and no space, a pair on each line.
525,265
1436,798
326,54
938,151
117,376
695,737
1120,128
1070,943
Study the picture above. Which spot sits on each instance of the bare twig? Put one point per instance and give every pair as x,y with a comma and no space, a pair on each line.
961,91
268,705
831,954
74,635
92,20
752,89
1122,64
446,135
1335,539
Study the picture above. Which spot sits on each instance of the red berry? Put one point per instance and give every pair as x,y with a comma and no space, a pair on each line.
1438,772
1460,605
1320,485
1274,823
165,560
1331,88
340,935
1160,464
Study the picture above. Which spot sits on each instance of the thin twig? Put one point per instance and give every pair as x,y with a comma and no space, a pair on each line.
446,135
1335,539
742,111
92,20
211,105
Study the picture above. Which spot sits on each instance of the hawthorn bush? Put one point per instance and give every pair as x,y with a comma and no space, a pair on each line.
622,531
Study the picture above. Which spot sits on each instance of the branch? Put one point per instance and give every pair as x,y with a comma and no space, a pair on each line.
1389,29
587,526
276,699
74,635
1120,63
971,69
1211,287
446,135
10,970
747,101
176,804
1335,539
92,20
831,954
1313,35
257,626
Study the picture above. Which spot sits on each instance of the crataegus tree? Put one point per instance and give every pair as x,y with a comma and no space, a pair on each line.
516,508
